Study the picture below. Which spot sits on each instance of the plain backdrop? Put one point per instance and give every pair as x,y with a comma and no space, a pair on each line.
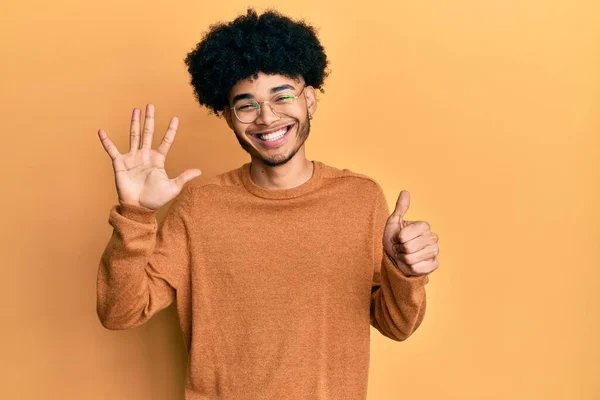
486,112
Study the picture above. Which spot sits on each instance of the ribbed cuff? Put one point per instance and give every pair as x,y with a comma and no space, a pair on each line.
136,213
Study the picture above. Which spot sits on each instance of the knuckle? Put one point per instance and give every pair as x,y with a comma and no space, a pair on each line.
402,237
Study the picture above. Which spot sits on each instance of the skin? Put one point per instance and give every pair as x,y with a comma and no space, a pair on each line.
140,174
411,245
286,166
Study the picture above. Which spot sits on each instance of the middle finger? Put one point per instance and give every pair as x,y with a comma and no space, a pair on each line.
416,244
428,252
148,127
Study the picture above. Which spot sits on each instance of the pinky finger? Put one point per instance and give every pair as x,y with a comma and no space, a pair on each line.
426,266
110,148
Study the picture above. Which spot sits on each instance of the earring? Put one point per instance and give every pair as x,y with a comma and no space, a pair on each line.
309,116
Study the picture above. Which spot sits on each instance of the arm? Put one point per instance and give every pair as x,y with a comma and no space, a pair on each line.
398,302
142,264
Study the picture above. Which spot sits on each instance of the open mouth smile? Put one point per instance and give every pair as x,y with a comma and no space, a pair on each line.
273,137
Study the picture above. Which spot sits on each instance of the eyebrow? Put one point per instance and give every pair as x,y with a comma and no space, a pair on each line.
244,96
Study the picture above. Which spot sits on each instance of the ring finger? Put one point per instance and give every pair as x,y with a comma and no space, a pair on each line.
134,130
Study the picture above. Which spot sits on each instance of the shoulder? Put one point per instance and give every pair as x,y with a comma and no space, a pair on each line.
224,180
360,182
202,189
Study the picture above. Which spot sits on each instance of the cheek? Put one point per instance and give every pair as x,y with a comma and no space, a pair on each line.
239,129
299,118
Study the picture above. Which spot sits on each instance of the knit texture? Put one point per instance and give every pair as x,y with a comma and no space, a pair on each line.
276,290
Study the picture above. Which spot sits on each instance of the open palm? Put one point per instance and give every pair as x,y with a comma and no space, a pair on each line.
140,175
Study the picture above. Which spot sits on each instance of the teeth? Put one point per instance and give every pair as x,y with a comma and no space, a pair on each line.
275,135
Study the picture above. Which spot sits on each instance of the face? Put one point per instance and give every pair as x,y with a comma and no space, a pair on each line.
293,122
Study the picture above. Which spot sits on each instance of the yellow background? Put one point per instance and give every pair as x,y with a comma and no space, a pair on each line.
486,112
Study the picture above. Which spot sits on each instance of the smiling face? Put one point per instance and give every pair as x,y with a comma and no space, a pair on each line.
272,139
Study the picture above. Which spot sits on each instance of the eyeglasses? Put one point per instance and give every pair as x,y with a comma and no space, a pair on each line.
248,111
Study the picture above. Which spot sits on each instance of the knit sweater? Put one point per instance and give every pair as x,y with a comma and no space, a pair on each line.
275,290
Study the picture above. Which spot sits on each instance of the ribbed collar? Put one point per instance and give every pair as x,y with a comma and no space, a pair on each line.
310,185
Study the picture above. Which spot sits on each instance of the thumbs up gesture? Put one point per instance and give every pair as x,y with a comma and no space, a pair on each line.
410,244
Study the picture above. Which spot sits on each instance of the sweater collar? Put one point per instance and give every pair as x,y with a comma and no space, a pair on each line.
310,185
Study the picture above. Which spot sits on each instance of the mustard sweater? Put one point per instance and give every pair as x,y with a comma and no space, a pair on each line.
276,290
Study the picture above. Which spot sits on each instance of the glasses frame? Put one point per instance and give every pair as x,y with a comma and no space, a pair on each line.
260,103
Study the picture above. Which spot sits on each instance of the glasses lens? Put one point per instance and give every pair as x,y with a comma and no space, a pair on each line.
247,112
282,103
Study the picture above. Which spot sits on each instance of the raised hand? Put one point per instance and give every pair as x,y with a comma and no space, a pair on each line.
140,175
410,244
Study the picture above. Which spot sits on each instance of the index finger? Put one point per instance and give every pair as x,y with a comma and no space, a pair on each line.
167,141
412,230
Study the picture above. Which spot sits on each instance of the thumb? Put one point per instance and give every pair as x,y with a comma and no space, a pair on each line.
402,206
186,176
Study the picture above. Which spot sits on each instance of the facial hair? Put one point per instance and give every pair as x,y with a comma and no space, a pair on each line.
301,135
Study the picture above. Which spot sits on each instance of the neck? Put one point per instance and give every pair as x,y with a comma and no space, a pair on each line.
293,173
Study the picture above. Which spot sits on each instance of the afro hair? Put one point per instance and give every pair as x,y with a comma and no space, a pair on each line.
270,43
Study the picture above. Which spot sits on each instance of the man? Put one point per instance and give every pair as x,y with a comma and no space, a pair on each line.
280,266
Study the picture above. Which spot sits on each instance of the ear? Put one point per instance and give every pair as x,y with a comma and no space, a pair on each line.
228,117
311,100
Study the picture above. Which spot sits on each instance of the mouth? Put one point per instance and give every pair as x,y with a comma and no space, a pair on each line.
273,137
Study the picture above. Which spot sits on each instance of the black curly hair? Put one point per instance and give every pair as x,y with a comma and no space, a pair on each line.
270,43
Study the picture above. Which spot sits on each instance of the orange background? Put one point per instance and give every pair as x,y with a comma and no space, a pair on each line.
487,112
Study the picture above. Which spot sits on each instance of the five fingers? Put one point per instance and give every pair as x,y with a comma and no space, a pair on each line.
148,133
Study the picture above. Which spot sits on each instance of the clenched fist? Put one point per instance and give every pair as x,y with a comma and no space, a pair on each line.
410,244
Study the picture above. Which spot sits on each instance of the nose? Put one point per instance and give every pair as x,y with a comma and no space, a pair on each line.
266,116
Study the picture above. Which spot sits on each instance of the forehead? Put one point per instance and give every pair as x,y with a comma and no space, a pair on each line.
262,86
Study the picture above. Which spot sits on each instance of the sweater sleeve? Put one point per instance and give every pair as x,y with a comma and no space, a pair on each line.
398,302
142,265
